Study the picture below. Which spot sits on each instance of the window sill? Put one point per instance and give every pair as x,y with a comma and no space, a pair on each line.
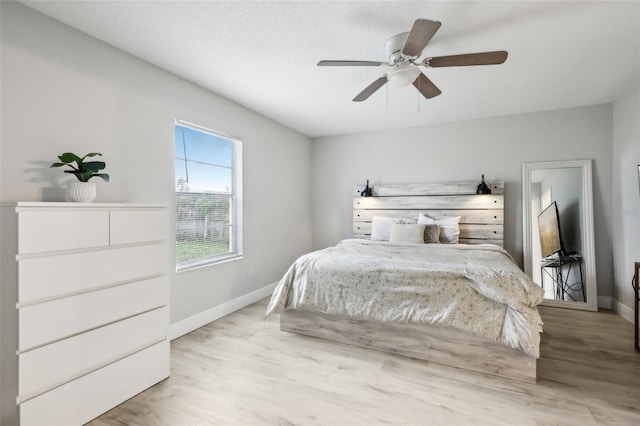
207,263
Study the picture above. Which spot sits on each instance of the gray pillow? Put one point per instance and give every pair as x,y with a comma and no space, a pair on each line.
431,234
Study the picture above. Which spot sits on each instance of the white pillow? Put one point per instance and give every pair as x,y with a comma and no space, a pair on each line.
407,233
449,228
381,226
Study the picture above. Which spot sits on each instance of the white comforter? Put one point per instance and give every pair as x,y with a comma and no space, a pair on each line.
474,288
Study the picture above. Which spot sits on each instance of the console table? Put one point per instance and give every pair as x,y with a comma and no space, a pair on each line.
559,270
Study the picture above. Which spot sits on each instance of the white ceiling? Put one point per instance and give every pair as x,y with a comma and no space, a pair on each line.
263,55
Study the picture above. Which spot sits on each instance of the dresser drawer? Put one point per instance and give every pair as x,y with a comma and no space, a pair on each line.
47,322
139,225
49,366
87,397
44,230
52,276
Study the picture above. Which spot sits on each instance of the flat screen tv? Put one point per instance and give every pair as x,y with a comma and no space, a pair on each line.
550,237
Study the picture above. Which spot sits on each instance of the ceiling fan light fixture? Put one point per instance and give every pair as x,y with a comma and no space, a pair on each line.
401,67
403,74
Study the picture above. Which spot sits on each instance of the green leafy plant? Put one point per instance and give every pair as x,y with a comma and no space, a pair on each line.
83,170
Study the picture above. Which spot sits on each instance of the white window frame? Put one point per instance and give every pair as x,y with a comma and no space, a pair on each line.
235,201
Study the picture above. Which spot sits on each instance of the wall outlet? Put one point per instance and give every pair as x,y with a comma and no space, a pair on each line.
249,272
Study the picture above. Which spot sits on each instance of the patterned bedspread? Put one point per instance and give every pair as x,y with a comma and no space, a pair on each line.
474,288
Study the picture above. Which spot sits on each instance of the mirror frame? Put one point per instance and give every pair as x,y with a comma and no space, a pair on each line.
589,259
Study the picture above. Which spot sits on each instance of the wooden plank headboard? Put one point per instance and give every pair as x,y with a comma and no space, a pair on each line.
481,216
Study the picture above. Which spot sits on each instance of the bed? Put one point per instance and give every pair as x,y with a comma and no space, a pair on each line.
466,305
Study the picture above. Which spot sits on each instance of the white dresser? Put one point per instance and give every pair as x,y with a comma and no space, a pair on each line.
84,307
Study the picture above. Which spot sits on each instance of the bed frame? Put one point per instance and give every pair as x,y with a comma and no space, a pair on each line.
482,218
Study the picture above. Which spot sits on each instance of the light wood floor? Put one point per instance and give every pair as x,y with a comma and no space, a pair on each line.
241,370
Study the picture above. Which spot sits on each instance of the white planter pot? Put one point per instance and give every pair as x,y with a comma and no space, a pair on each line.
81,192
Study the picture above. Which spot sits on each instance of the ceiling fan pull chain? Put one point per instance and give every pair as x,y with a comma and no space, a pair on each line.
418,94
387,97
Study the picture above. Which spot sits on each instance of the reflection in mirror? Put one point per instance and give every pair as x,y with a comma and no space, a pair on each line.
558,232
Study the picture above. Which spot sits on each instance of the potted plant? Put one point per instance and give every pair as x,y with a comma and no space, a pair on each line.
82,190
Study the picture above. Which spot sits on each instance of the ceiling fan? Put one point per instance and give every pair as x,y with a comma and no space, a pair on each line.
402,68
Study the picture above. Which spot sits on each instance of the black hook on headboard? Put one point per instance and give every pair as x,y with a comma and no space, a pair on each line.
366,191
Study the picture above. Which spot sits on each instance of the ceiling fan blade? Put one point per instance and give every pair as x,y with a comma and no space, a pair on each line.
484,58
426,87
421,33
370,89
350,63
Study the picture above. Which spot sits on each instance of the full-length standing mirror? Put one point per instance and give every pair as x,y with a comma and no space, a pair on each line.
559,254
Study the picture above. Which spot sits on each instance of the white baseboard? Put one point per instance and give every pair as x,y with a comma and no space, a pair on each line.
623,310
604,302
196,321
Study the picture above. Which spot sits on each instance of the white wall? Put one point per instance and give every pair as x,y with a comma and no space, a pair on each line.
624,213
496,147
65,91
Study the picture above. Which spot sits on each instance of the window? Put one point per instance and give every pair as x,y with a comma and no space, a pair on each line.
208,171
